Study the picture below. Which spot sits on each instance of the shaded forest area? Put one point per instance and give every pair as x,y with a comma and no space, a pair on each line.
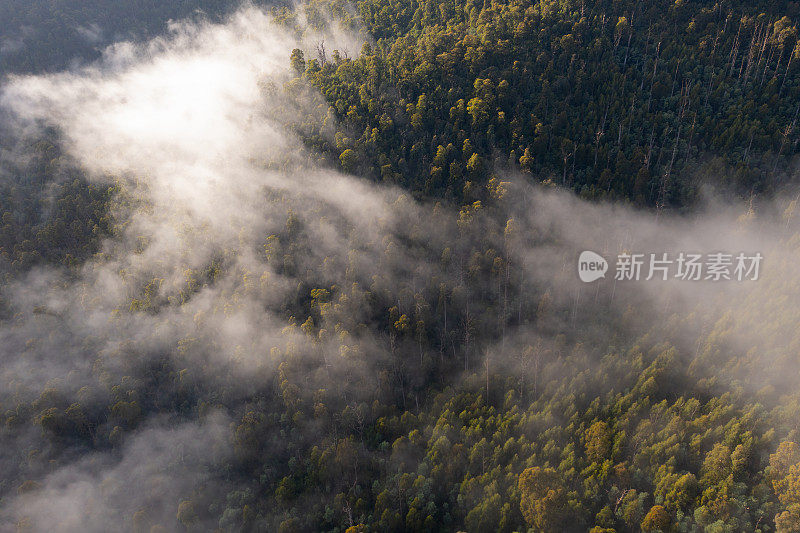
637,101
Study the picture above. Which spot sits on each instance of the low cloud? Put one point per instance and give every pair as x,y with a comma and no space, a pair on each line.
192,126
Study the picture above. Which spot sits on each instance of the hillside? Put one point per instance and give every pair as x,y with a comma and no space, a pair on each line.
314,268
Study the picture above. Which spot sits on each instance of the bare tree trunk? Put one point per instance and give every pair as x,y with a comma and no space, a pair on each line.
653,77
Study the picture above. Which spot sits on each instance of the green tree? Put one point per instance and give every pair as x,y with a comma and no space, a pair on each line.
543,499
297,60
656,519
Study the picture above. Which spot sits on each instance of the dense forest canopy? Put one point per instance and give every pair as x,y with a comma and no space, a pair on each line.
636,101
313,267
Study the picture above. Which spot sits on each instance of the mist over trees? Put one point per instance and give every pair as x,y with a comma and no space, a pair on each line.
313,267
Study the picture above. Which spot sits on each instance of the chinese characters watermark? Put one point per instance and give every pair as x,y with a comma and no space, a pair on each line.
683,266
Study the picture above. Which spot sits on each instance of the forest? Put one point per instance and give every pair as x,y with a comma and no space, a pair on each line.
312,266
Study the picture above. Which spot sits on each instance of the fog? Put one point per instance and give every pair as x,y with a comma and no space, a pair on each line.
195,129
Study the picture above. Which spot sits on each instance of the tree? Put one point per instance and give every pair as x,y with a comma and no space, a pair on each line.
187,515
526,160
657,519
348,159
598,442
787,455
297,60
789,520
543,499
478,110
717,464
785,472
474,165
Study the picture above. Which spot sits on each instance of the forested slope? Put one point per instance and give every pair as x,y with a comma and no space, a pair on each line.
256,278
626,100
